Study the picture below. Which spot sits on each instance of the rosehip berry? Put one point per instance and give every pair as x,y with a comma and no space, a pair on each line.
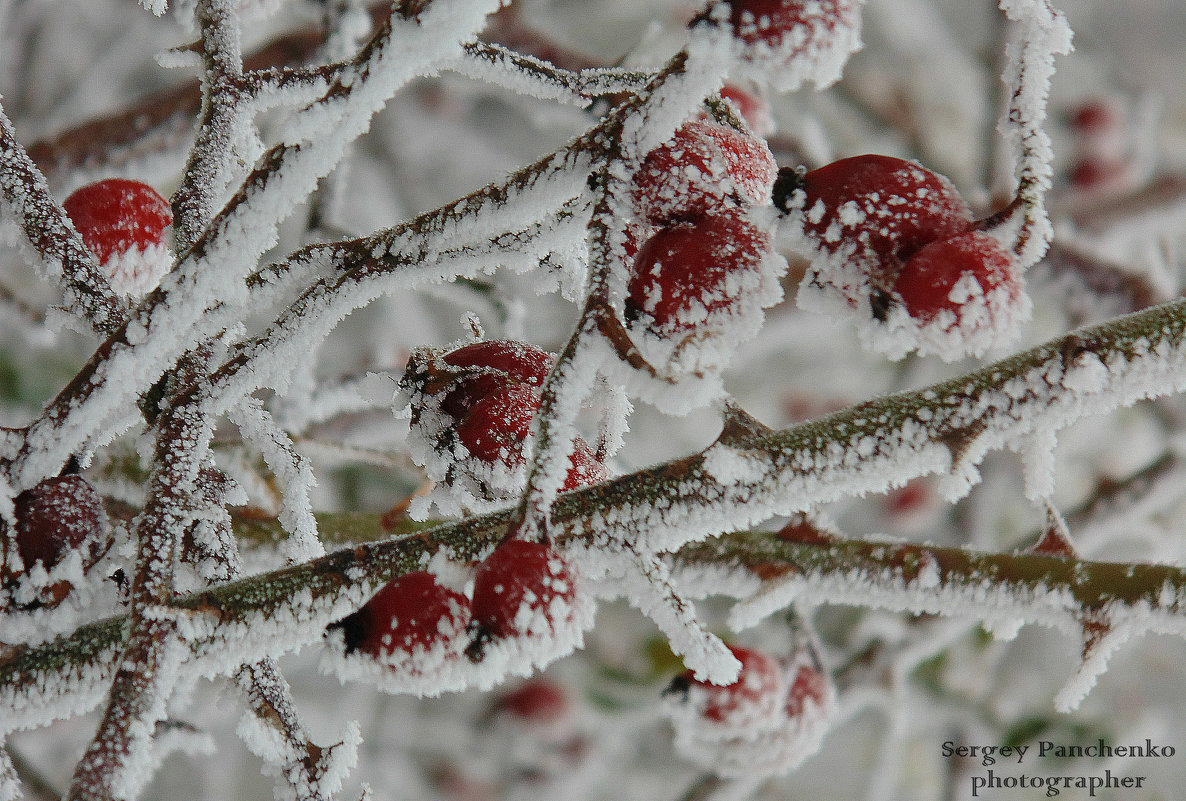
809,689
702,169
755,695
945,275
878,209
57,516
410,615
584,467
521,589
538,700
789,41
116,215
492,366
495,427
769,21
689,271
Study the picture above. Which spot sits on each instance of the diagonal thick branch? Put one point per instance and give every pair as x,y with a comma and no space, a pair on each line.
935,429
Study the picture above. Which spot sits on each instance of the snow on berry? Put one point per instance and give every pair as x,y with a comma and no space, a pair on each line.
492,365
408,638
787,42
126,225
765,723
61,533
955,296
527,610
703,169
56,516
471,415
698,289
862,220
496,426
755,697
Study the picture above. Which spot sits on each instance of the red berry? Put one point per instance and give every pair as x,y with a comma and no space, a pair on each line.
927,283
492,365
752,108
584,467
880,208
755,694
56,516
538,700
116,215
410,614
911,497
702,169
769,21
689,271
810,686
496,425
1098,115
521,588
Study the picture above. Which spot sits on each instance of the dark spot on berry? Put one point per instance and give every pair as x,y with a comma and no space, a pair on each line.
788,180
479,637
880,303
354,630
679,686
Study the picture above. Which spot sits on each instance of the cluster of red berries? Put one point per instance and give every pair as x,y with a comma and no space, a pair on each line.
524,610
764,723
705,269
472,409
895,244
788,41
54,519
126,225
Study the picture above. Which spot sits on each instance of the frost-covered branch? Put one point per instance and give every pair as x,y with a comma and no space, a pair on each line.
55,247
195,202
944,428
533,76
148,665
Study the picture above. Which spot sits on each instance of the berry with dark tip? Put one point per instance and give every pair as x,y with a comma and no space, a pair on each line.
522,588
411,614
879,209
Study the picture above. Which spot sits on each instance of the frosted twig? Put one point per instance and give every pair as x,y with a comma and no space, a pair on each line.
659,102
1041,33
299,763
110,768
148,666
9,783
530,75
293,472
60,254
194,203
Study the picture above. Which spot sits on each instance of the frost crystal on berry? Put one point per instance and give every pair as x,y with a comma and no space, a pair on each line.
765,723
787,42
528,609
703,169
407,638
697,291
126,225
